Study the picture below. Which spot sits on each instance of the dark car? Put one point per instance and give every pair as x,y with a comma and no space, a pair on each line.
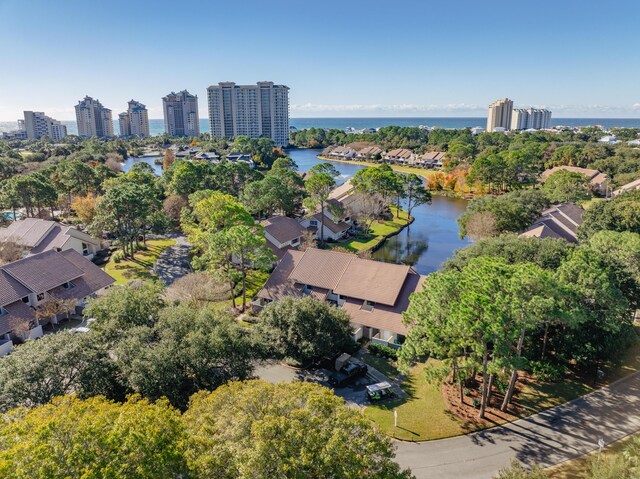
349,373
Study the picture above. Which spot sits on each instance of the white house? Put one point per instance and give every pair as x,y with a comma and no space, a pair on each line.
37,235
282,233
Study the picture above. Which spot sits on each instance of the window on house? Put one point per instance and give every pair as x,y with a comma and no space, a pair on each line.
313,223
3,312
68,285
25,300
295,241
40,297
85,249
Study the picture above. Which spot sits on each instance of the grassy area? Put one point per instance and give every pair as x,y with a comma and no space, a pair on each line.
384,365
422,416
255,282
580,467
377,233
139,267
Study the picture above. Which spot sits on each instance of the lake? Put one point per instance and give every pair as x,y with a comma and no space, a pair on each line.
429,241
150,160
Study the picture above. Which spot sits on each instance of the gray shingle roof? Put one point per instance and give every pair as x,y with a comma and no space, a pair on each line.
11,289
43,271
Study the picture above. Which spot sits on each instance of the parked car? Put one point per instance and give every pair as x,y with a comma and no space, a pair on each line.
347,374
379,391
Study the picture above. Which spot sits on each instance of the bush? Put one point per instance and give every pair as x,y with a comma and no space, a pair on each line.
117,256
546,371
383,351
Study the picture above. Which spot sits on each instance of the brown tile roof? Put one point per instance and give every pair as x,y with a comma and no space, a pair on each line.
94,277
341,191
19,314
321,268
594,176
331,225
634,185
278,285
283,228
400,152
383,316
43,271
348,275
370,150
11,289
372,280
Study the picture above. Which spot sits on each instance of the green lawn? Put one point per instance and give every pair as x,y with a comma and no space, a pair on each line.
138,267
384,365
255,282
378,232
580,467
422,416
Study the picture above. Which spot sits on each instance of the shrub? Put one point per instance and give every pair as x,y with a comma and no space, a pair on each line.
384,351
117,256
547,371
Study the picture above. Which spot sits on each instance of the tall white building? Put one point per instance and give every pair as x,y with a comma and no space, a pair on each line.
181,114
256,111
530,118
499,116
134,121
37,125
93,119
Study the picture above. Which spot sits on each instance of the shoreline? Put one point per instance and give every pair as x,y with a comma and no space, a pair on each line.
405,169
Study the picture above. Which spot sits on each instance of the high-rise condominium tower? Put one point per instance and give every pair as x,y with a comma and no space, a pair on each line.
181,114
37,125
499,116
257,111
93,119
134,121
530,118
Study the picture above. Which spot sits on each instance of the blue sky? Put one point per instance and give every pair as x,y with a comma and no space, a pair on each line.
341,58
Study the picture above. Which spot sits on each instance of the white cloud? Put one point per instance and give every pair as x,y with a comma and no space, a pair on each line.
636,106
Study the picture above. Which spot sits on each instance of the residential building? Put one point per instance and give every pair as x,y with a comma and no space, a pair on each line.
530,119
134,121
373,293
37,125
369,153
431,159
399,155
282,234
51,275
19,134
256,111
499,116
609,140
559,221
599,182
339,152
93,119
476,130
36,236
240,157
181,114
634,185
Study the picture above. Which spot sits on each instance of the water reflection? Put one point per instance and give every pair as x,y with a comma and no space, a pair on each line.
150,160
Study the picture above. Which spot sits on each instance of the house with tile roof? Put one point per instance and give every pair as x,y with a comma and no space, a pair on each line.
340,153
282,234
559,221
369,153
634,185
342,205
399,155
37,236
28,283
373,293
598,181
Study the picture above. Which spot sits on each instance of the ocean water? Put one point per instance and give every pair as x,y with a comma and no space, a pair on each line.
156,126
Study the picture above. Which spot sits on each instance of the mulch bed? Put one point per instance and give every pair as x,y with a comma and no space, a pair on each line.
468,414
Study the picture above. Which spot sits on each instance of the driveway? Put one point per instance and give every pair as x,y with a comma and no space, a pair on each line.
546,439
173,262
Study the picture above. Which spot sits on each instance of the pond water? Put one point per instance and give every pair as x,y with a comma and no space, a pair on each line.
429,241
150,160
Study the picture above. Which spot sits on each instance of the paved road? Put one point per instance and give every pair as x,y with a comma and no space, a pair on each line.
546,439
173,262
